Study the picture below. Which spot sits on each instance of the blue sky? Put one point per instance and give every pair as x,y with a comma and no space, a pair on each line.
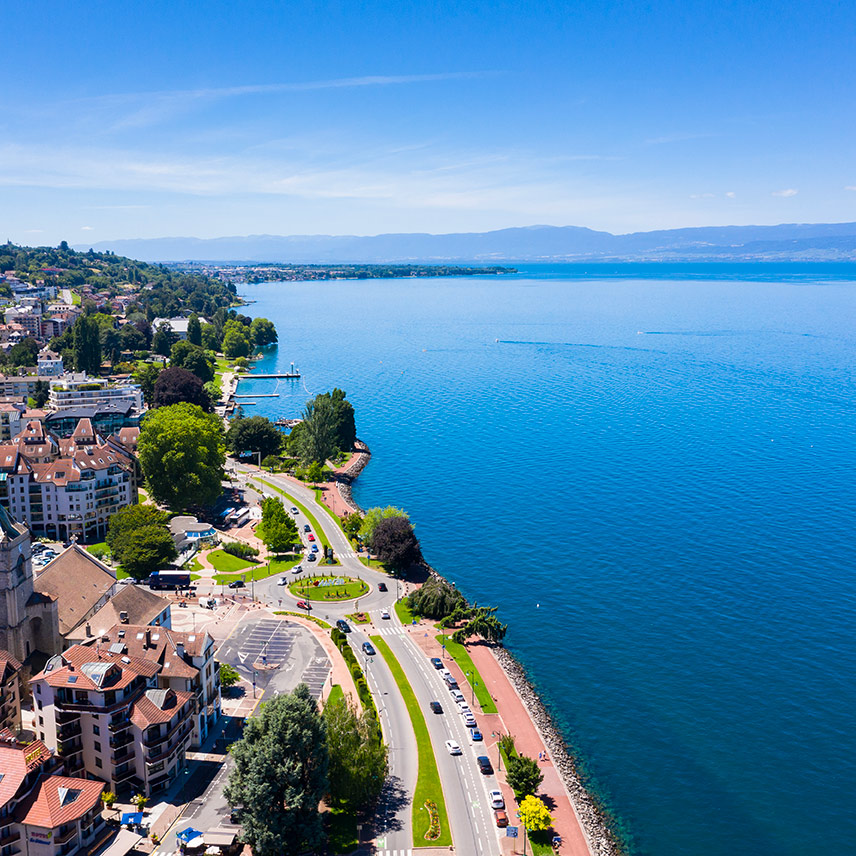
151,119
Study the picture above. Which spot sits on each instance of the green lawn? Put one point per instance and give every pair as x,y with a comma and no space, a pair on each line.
376,565
341,831
462,657
226,563
193,565
428,785
313,522
402,610
351,589
260,571
359,618
336,694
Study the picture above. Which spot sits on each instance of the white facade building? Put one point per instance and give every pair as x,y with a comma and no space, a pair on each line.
79,390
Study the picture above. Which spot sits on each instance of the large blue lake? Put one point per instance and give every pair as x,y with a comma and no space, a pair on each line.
651,470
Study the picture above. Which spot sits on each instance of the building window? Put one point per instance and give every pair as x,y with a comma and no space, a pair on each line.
41,720
96,729
97,746
98,763
38,704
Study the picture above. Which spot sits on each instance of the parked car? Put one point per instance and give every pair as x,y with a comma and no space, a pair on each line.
37,547
501,818
381,587
457,696
237,584
496,800
310,537
307,527
369,649
475,735
470,720
294,509
463,707
302,604
343,625
484,765
436,662
125,581
436,707
453,748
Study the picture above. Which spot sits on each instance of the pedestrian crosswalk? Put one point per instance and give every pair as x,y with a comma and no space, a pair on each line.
390,631
393,853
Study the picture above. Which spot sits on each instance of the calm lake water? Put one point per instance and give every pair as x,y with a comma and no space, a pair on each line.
650,470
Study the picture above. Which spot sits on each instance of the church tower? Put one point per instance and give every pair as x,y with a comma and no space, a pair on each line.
16,588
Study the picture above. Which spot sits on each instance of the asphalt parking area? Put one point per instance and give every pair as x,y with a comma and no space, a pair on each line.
269,643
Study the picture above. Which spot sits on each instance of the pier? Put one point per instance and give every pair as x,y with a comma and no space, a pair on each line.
258,395
271,376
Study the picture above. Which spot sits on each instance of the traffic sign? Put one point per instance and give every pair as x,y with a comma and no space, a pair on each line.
511,832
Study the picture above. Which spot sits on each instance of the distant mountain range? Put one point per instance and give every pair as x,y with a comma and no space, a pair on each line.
786,242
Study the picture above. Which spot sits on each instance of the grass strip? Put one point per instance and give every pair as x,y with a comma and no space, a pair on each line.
318,621
313,522
259,572
226,563
428,785
462,657
402,610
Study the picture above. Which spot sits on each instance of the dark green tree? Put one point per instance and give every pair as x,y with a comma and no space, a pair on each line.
163,339
87,345
318,432
277,530
148,549
175,385
358,757
235,344
25,353
146,376
41,393
280,775
373,516
185,355
351,524
182,454
437,598
395,544
262,332
124,522
344,426
194,330
523,776
229,676
254,434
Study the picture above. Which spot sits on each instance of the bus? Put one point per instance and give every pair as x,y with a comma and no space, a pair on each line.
240,517
169,580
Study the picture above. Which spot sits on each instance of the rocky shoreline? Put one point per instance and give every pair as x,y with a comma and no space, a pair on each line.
593,819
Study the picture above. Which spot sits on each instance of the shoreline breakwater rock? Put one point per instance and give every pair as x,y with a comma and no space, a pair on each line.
344,480
593,819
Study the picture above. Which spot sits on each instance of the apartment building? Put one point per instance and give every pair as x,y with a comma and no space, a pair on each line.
42,811
64,488
10,692
186,663
104,712
77,389
49,364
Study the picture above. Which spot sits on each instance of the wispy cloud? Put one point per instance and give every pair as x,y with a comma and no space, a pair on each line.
850,187
785,193
87,228
731,194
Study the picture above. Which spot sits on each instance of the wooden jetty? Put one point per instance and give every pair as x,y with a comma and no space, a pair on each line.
258,395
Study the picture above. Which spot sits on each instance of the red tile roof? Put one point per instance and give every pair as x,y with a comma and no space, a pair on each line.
54,802
16,761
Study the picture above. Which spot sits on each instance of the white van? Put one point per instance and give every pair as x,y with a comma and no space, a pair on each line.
208,602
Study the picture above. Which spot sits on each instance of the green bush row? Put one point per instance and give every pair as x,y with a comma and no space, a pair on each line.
241,550
340,640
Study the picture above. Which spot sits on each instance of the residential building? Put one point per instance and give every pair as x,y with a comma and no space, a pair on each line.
10,419
186,663
178,326
10,692
29,621
77,389
106,419
79,584
19,387
103,710
49,364
27,317
66,488
131,605
42,811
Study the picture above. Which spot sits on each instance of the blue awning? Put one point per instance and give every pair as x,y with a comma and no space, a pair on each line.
188,834
134,817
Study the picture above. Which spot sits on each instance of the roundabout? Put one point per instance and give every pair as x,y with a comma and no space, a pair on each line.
332,588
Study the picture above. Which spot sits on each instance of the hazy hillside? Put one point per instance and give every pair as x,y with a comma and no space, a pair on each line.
819,241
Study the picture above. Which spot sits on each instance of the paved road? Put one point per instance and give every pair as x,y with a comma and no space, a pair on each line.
465,789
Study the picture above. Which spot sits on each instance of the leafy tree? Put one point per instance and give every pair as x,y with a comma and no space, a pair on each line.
87,345
228,675
124,522
318,432
210,339
437,598
255,434
163,339
293,441
480,621
108,798
175,385
185,355
131,339
277,530
395,544
534,814
351,524
523,775
344,426
41,392
280,775
358,757
373,516
263,332
147,549
182,454
25,353
235,344
194,330
313,473
146,376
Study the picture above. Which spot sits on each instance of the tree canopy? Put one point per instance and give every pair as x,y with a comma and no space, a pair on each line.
182,454
534,814
437,598
176,385
140,540
373,516
146,374
254,434
86,337
395,544
186,355
277,529
263,332
281,775
523,775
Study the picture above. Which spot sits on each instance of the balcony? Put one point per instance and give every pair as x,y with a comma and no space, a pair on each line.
69,746
118,724
121,740
69,730
164,751
62,837
121,755
10,837
129,773
74,763
63,717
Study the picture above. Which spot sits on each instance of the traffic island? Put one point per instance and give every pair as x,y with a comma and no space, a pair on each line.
329,588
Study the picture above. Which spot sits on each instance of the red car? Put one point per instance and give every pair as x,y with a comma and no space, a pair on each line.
302,604
501,818
310,537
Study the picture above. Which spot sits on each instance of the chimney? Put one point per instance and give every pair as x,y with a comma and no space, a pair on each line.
88,629
148,638
123,617
179,649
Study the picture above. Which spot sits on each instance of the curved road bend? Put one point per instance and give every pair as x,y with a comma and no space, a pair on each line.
464,787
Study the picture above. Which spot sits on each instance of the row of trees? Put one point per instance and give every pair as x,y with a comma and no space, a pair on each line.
290,759
439,599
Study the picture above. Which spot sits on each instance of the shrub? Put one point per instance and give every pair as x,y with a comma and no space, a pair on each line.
239,549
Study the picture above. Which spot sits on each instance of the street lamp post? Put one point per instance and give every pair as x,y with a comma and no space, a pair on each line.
472,688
